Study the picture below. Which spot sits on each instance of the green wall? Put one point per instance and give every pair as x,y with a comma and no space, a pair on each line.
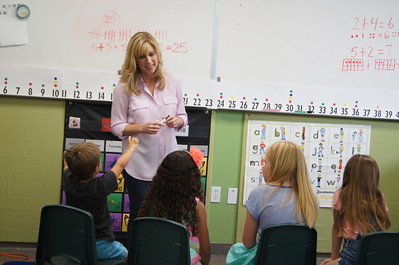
31,138
31,142
226,221
223,170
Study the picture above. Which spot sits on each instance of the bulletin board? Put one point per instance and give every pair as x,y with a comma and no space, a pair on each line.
326,147
90,122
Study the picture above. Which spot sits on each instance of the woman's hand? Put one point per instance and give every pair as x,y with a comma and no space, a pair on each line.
151,127
174,122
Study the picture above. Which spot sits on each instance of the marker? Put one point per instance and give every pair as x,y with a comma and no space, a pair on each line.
164,120
300,111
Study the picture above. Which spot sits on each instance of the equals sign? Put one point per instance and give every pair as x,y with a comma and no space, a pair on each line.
169,47
380,51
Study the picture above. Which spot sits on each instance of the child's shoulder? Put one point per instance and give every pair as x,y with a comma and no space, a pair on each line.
200,204
67,174
259,191
337,193
336,200
108,179
110,175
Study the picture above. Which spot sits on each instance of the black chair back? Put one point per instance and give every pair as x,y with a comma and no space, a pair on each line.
379,248
158,241
66,236
287,244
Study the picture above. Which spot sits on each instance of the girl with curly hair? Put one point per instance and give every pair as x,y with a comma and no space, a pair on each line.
175,194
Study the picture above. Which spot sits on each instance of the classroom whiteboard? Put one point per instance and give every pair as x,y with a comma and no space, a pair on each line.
340,43
312,57
92,35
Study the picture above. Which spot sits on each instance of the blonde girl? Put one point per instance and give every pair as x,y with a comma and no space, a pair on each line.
287,197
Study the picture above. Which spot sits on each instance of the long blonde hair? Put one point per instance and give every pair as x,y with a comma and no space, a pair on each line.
362,202
288,165
130,73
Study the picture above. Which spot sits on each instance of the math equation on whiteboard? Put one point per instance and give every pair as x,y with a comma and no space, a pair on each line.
116,40
375,45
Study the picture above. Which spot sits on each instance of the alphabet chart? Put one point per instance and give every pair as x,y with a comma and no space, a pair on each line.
326,147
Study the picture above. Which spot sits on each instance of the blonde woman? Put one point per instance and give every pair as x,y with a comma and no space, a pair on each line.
147,104
359,207
287,197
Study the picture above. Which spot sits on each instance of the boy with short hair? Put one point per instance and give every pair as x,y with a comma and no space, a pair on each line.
83,190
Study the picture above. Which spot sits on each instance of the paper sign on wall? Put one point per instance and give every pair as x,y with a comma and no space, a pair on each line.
327,148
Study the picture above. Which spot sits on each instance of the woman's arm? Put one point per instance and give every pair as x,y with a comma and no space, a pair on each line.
250,230
119,117
119,111
174,122
205,245
181,113
148,128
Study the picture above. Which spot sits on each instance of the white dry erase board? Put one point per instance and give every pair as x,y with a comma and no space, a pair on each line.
313,57
92,35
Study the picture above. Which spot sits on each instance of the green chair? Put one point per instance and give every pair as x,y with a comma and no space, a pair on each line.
67,237
379,248
157,241
287,244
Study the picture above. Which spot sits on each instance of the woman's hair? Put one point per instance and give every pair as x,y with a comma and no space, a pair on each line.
173,191
288,164
130,73
362,203
82,160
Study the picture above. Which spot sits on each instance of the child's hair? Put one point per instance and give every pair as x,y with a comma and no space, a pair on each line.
288,164
362,203
82,160
173,191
